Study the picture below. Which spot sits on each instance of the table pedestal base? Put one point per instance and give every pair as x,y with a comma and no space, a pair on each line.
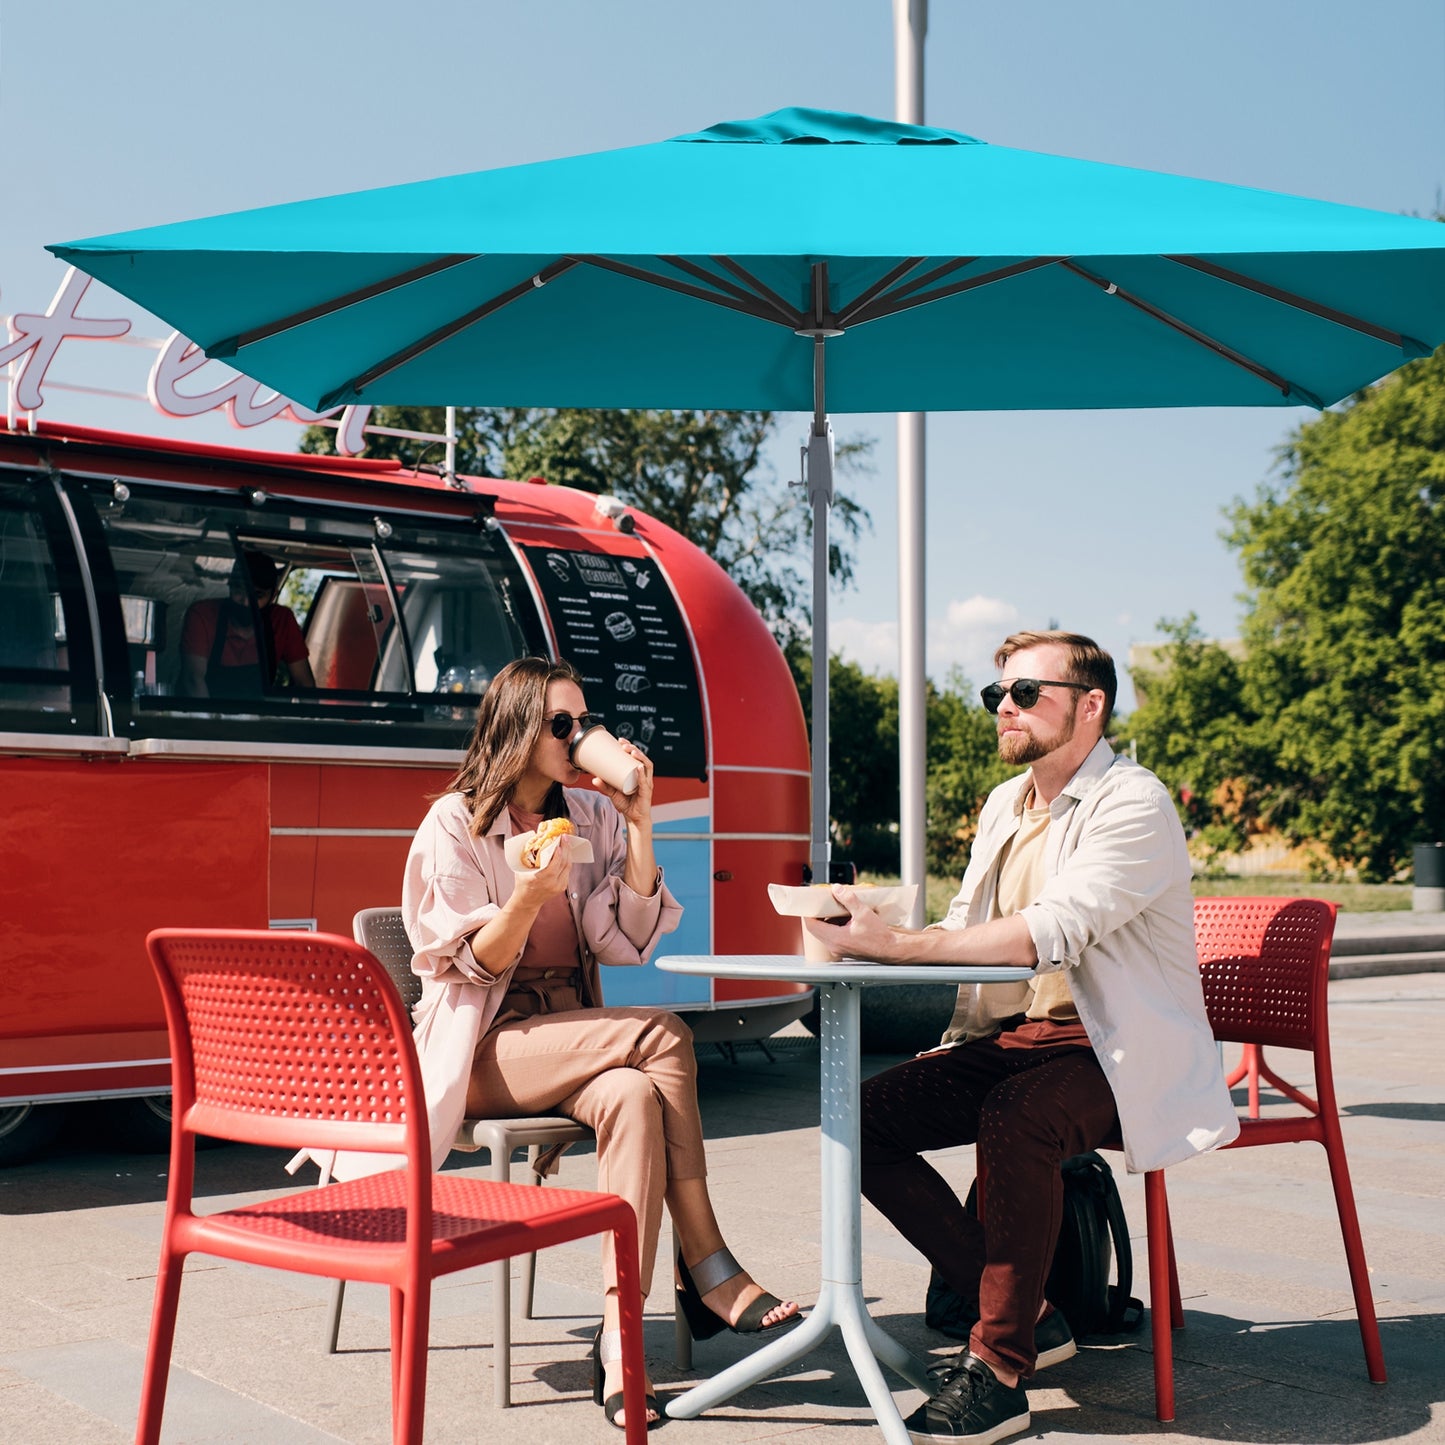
839,1306
840,1300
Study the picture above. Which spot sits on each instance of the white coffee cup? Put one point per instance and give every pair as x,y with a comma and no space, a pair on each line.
814,949
597,752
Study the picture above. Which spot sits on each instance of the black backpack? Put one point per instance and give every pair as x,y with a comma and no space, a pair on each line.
1092,1235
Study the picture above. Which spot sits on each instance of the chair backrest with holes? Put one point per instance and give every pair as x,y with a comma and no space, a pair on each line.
1265,965
380,931
298,1040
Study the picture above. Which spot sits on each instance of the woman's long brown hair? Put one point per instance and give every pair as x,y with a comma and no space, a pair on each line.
509,723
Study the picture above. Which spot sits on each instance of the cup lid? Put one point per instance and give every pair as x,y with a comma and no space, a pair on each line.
575,743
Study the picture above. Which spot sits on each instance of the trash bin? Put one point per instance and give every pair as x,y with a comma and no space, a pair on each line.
1428,895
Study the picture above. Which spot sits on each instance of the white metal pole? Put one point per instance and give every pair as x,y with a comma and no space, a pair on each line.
910,27
820,495
451,446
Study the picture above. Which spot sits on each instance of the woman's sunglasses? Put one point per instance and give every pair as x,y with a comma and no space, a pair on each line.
1025,691
562,723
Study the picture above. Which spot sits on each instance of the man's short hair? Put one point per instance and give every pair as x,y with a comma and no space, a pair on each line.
1086,662
259,568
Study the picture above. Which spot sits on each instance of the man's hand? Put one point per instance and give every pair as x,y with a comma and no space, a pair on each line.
864,935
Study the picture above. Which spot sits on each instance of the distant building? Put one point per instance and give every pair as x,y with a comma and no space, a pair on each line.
1155,657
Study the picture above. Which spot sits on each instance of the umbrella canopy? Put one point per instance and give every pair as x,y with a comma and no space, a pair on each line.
961,276
933,272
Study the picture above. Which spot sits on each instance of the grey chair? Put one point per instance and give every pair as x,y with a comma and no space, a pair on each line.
380,932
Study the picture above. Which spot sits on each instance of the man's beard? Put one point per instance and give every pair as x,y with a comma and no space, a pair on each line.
1017,748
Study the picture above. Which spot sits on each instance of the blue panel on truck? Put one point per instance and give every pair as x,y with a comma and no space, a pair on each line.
685,864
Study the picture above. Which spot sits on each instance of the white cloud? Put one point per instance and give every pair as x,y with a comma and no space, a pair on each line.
872,645
964,637
967,635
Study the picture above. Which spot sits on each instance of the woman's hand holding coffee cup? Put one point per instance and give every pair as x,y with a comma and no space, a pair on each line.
635,806
621,770
623,774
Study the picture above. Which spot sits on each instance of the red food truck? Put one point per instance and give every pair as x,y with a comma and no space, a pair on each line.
134,799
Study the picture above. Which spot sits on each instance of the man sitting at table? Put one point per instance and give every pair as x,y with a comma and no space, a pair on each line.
1078,874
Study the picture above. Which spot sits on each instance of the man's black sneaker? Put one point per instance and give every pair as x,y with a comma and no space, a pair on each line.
972,1406
1053,1340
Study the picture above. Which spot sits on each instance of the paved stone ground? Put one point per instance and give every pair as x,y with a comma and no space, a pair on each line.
1270,1352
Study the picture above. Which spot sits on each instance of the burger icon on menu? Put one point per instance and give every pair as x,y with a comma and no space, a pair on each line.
620,626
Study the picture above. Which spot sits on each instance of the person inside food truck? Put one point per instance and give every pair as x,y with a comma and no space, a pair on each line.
218,637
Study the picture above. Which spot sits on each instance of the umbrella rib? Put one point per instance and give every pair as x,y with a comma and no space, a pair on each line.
798,318
230,345
1236,358
884,282
747,306
1303,303
352,389
889,306
731,288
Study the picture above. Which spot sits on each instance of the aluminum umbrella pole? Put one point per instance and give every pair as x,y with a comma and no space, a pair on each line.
819,459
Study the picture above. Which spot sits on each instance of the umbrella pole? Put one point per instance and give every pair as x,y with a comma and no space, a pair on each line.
820,495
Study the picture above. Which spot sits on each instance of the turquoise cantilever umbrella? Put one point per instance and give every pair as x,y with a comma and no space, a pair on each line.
930,271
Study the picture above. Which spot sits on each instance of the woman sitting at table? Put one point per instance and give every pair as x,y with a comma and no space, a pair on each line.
511,1020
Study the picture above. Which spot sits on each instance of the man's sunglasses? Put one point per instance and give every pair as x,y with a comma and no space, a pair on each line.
562,723
1025,691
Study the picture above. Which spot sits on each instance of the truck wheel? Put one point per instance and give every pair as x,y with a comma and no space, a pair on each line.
140,1125
27,1130
136,1126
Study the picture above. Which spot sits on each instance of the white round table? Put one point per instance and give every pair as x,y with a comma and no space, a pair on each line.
840,1301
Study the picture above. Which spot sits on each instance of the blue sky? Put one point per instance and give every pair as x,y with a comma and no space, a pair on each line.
116,116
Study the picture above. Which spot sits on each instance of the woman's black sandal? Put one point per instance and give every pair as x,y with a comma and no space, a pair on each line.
606,1349
704,1277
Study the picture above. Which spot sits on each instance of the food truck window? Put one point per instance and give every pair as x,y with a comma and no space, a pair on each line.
466,610
46,669
379,627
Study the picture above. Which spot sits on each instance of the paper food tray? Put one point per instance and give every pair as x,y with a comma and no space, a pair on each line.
892,902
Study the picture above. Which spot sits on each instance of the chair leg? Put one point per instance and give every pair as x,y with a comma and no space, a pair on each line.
158,1349
529,1261
681,1333
1161,1290
527,1265
681,1336
1354,1248
333,1314
629,1306
1285,1088
501,1172
410,1318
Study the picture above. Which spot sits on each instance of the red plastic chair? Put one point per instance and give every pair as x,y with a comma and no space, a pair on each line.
1265,965
301,1040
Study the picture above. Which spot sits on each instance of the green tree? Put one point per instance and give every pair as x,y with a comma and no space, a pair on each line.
704,473
1345,639
1331,725
1193,729
962,765
963,768
862,757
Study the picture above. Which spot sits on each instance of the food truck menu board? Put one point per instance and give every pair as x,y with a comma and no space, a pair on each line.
619,625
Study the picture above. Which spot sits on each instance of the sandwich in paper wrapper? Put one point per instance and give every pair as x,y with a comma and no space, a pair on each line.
892,902
534,850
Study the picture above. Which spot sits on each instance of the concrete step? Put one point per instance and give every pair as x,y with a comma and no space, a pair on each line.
1378,933
1374,965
